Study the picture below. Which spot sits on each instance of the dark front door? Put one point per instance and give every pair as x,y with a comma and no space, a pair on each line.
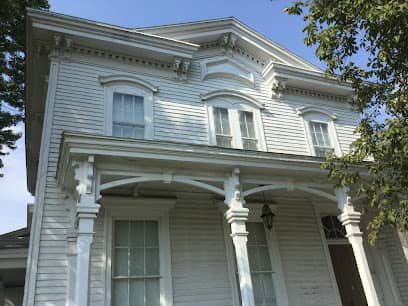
348,279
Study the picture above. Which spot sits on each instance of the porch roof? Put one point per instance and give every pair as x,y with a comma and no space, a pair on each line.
209,162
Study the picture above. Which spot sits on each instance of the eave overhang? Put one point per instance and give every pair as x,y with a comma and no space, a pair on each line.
206,30
106,37
305,79
44,27
78,146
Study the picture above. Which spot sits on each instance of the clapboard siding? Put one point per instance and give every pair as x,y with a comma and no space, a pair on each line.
198,252
179,113
301,248
398,262
199,265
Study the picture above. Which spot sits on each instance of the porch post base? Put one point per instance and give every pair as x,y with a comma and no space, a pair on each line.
236,217
86,215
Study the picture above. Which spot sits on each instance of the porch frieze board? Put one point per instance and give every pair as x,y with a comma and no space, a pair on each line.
81,145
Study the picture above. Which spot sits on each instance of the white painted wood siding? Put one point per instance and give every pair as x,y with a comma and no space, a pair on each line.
199,263
398,262
304,263
179,113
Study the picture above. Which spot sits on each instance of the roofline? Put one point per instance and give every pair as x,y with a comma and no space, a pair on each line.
246,27
69,20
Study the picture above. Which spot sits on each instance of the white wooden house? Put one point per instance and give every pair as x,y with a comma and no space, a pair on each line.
153,153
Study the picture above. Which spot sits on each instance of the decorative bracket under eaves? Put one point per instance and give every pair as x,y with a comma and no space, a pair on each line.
180,68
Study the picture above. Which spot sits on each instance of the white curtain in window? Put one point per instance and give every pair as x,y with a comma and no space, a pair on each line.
127,116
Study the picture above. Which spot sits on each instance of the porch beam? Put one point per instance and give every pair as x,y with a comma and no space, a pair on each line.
237,215
350,219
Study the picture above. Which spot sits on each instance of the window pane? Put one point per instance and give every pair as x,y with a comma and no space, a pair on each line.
269,289
120,292
127,131
320,138
137,261
258,288
221,121
152,292
139,132
137,233
249,144
225,122
224,141
217,121
152,261
139,111
246,120
136,292
253,259
121,233
128,111
121,262
117,108
116,130
263,258
152,235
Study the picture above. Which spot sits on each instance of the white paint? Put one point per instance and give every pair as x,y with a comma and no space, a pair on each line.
118,208
350,219
131,86
236,216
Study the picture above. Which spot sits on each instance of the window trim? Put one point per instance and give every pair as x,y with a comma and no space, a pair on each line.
317,115
233,109
126,85
255,211
140,209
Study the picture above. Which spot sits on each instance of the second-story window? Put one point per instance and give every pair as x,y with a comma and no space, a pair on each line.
319,132
235,129
247,127
222,127
128,106
127,116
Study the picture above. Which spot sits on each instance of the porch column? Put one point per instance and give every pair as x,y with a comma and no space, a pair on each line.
71,254
350,219
236,216
86,212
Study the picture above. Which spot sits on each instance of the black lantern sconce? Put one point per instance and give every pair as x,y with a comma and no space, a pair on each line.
267,215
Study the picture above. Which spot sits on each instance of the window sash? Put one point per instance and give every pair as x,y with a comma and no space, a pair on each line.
223,135
320,138
260,268
136,263
247,128
128,116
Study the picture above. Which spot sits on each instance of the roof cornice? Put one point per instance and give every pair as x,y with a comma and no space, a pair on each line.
190,30
86,29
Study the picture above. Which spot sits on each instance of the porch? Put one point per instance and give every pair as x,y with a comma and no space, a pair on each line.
198,198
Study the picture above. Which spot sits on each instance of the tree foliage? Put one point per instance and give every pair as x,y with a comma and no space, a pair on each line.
344,32
12,66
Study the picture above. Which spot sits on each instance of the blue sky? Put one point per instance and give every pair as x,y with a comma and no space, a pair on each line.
265,16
